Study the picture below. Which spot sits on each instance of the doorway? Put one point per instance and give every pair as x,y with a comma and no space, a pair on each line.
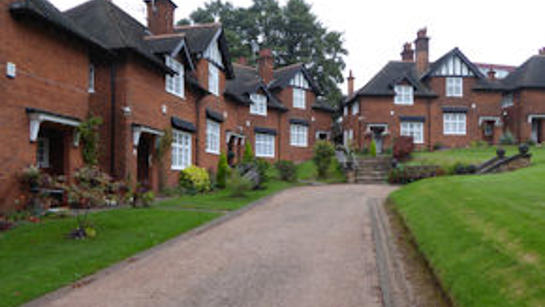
537,131
488,131
143,158
377,134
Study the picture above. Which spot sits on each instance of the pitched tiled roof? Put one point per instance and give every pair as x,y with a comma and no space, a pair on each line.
531,74
114,28
246,82
321,104
382,84
283,76
46,11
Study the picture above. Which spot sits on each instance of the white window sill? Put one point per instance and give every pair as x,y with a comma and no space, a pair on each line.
299,146
177,95
300,108
259,114
178,168
455,134
454,96
404,104
91,91
212,152
264,156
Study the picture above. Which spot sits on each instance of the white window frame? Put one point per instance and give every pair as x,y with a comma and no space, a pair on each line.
258,105
213,137
507,100
42,160
265,145
213,79
355,108
414,129
175,84
455,123
181,150
299,98
92,73
298,135
404,95
345,111
454,87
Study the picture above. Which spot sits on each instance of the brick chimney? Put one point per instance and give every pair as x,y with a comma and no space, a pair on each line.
407,55
160,16
422,51
491,74
265,65
542,51
350,84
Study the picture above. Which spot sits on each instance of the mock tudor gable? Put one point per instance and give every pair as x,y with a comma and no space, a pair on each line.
453,64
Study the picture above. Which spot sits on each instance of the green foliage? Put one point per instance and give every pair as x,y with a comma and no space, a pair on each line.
238,186
248,156
287,170
165,144
292,31
478,144
195,180
89,139
323,155
507,138
263,168
223,172
373,148
148,198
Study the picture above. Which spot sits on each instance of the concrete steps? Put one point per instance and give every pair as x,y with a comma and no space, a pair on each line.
372,170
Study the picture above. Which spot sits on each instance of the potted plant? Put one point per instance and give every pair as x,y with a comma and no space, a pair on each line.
31,177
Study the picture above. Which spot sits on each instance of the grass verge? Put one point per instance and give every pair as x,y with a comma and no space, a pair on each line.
38,258
483,235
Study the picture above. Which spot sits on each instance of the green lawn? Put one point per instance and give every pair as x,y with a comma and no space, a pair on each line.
38,258
222,200
483,235
448,158
307,171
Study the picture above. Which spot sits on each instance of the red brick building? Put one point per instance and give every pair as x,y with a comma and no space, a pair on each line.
97,60
446,103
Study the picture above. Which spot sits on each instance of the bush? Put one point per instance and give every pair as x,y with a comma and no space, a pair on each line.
407,174
263,168
438,146
462,169
373,148
478,144
323,155
238,186
194,180
287,170
403,147
507,138
223,171
248,156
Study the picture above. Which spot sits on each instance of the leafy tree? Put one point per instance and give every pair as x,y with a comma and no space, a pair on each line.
223,170
293,32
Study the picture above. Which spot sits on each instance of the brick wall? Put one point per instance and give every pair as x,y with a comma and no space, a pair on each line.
52,77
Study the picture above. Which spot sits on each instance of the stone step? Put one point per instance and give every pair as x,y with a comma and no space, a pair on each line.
371,178
371,181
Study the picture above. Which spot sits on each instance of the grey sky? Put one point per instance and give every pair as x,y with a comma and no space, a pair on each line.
498,32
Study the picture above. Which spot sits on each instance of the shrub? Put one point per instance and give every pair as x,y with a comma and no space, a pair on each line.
530,142
194,180
238,185
263,168
248,156
407,174
462,169
323,155
287,170
223,171
507,138
373,148
89,139
438,146
403,147
478,144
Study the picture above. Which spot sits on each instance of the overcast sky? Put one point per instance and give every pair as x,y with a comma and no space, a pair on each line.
498,32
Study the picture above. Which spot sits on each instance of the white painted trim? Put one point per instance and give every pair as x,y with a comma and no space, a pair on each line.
385,126
36,119
531,117
138,130
496,119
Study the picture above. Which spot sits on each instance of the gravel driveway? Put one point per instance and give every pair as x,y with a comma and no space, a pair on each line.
310,246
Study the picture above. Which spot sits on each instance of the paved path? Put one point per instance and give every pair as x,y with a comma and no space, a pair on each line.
310,246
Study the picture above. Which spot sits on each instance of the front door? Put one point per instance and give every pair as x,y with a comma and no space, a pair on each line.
488,131
377,136
536,131
144,152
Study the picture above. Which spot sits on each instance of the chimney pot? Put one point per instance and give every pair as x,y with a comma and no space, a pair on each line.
160,16
542,51
265,65
407,55
491,74
422,51
350,84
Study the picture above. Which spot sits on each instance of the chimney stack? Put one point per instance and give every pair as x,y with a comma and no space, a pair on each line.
160,16
422,51
542,51
491,74
407,55
265,65
350,84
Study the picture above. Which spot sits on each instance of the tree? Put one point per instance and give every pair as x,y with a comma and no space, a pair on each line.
293,32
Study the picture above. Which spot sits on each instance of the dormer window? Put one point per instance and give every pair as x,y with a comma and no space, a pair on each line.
454,87
404,94
355,108
213,79
507,100
175,83
258,104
